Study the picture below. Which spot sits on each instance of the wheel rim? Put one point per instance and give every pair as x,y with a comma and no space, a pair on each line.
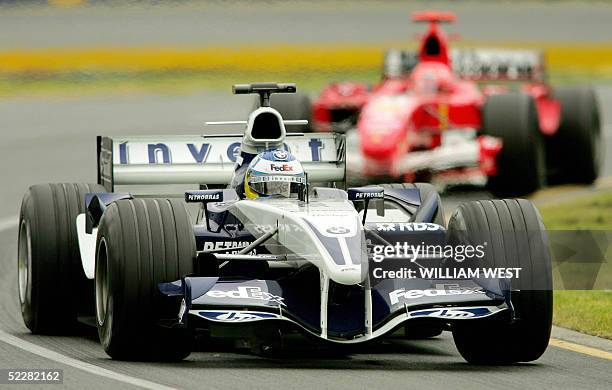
24,259
101,282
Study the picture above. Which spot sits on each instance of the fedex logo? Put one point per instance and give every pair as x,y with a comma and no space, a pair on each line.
281,168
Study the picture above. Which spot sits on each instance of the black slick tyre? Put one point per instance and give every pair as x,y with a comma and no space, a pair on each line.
141,243
574,152
53,289
521,164
516,238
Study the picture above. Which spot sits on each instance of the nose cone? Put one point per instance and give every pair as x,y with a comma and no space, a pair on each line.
348,276
383,124
343,247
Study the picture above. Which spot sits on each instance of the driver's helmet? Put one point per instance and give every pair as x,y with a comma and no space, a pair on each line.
274,172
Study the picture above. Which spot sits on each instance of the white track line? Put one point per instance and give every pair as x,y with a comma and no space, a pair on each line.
87,367
8,223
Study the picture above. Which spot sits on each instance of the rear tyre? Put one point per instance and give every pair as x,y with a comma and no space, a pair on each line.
142,242
51,280
515,235
574,152
292,106
521,163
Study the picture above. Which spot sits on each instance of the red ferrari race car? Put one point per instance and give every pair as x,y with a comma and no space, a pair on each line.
476,116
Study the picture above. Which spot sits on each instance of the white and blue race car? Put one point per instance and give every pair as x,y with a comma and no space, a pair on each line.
344,266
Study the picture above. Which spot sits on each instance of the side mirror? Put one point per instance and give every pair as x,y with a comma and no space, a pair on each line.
365,194
204,197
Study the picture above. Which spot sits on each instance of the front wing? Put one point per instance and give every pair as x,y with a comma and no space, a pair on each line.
356,314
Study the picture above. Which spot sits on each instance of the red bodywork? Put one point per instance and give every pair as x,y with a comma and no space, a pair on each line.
411,112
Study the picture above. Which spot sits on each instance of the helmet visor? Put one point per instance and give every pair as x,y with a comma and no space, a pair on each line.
276,185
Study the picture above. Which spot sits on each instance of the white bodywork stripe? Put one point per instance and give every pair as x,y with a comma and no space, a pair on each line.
345,252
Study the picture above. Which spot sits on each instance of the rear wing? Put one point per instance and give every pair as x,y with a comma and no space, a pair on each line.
208,159
499,64
477,64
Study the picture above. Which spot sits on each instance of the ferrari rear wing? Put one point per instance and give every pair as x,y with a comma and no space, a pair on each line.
499,64
478,64
176,159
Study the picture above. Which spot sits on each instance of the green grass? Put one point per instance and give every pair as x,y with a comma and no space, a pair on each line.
171,83
585,311
588,212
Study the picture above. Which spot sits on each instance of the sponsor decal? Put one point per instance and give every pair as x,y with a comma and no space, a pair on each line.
280,154
265,228
337,230
281,168
134,152
365,193
202,197
246,292
454,313
369,195
236,316
407,227
440,290
217,245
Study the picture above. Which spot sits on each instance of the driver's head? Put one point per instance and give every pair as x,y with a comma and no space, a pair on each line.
274,172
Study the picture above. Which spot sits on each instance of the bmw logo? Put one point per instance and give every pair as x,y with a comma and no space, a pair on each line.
337,230
280,154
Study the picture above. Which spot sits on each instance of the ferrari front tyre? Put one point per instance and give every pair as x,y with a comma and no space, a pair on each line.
52,285
574,152
521,164
141,243
293,106
515,237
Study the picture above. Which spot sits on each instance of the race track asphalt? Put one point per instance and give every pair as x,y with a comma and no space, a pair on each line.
258,22
53,140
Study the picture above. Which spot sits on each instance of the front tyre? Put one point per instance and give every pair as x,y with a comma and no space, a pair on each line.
515,235
142,242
